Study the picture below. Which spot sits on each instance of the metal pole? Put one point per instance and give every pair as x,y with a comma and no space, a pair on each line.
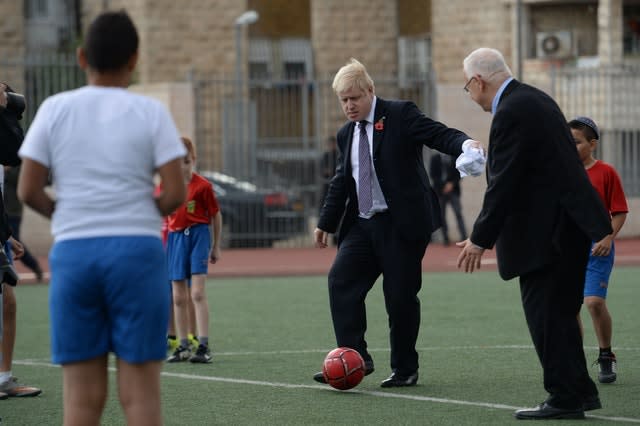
235,149
519,38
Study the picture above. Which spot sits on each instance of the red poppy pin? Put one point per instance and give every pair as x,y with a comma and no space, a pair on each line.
379,126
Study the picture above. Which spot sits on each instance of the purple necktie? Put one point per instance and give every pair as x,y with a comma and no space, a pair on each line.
365,198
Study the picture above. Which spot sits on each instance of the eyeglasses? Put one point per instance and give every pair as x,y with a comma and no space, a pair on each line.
466,86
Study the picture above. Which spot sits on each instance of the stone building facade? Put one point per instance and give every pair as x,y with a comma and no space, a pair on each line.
12,34
187,37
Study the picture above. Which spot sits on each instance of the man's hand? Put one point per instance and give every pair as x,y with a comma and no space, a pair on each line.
602,247
470,256
447,188
17,249
472,143
321,238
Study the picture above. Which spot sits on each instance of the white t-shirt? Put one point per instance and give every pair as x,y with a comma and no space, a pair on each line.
102,145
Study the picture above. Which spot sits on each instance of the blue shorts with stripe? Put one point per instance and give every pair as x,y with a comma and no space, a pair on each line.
188,252
108,294
599,268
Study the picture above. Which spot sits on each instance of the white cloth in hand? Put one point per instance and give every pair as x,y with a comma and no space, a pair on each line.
472,160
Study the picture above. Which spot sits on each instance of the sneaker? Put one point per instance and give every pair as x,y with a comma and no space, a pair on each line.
180,354
202,355
12,388
607,368
193,342
172,344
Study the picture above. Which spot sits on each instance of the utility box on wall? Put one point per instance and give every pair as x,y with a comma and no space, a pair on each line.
554,44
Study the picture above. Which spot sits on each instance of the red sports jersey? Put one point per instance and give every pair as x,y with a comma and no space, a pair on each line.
607,183
201,205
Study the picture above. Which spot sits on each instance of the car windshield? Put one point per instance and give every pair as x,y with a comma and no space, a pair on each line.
230,183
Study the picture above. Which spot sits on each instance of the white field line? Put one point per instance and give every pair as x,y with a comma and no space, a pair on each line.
325,350
322,387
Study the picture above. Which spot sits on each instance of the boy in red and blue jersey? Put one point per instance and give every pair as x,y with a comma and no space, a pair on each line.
189,250
607,183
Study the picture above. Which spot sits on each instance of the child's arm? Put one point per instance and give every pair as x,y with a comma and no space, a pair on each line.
603,247
616,223
174,191
214,255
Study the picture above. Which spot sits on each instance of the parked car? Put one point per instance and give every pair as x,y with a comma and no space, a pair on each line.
255,217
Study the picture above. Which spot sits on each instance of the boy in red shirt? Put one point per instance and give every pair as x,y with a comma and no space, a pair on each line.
607,183
189,250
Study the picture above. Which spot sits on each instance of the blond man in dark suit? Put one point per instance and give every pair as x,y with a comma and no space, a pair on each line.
382,193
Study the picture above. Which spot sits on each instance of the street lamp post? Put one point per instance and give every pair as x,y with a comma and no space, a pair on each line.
240,150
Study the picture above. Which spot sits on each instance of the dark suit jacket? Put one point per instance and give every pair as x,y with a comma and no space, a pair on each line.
11,136
442,169
400,131
535,182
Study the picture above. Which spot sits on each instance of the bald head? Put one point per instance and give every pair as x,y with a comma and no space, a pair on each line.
488,63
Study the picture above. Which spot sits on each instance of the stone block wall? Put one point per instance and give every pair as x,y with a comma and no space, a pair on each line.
13,43
364,29
178,36
460,26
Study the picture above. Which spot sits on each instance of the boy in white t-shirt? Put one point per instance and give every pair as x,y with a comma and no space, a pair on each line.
102,146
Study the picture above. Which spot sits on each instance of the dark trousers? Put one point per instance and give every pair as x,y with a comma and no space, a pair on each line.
370,249
27,258
552,298
453,200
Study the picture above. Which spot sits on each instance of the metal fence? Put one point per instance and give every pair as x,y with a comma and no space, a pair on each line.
266,136
610,96
39,76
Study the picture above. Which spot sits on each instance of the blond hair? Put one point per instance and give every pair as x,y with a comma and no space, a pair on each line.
353,74
191,148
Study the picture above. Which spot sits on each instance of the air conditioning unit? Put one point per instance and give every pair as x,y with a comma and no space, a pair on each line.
554,44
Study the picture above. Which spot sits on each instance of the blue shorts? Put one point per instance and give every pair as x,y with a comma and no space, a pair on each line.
188,252
599,269
106,295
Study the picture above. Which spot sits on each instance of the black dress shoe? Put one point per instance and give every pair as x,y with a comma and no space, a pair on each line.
396,380
545,411
591,403
319,377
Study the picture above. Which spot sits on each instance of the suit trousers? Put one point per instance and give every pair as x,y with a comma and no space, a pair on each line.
370,248
551,298
453,199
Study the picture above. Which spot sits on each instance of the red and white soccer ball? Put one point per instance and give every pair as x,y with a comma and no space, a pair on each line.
343,368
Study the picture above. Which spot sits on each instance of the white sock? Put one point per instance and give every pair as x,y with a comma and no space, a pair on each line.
5,376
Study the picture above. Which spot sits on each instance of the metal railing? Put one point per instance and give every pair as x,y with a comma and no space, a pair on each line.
269,135
609,95
272,133
39,76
